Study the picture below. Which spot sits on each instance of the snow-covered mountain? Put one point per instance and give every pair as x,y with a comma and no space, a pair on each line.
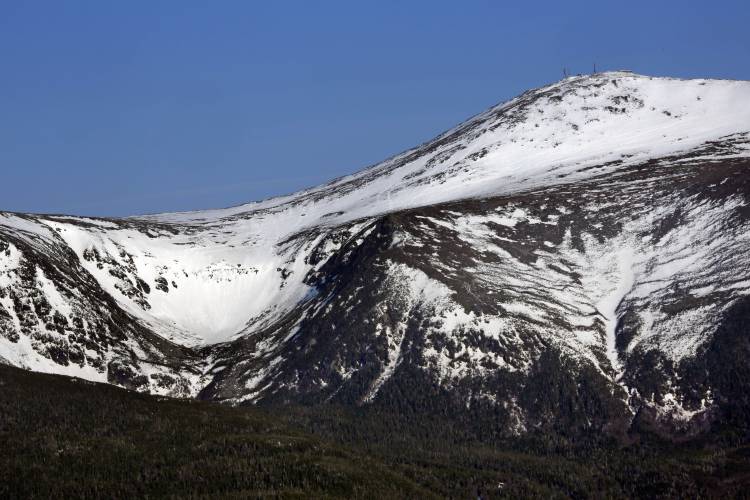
577,256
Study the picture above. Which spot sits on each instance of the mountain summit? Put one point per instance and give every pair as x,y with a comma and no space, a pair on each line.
575,258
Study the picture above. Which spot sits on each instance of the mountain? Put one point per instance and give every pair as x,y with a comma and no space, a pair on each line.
573,260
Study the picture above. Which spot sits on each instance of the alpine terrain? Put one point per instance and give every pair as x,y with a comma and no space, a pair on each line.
575,260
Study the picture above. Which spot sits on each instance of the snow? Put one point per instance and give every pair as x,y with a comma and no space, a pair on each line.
608,304
575,297
395,342
541,148
8,263
53,295
528,154
426,294
235,271
24,355
220,287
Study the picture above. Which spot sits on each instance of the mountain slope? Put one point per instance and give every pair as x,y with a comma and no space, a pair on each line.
568,260
72,439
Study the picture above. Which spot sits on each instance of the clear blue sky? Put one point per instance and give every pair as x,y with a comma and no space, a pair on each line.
118,108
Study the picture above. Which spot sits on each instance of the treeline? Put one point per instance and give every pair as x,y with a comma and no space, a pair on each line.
438,455
70,439
63,438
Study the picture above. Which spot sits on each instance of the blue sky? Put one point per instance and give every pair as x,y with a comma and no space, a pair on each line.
119,108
